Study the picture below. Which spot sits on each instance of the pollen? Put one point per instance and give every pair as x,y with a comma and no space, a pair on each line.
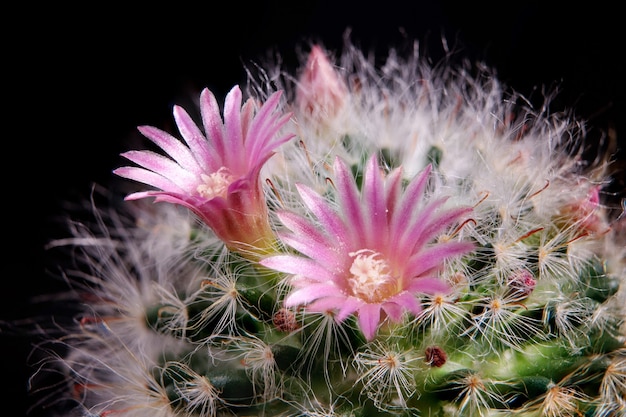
438,301
371,276
215,184
390,362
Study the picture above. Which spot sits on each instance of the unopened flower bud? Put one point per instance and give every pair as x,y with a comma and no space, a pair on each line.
522,283
585,214
321,92
435,356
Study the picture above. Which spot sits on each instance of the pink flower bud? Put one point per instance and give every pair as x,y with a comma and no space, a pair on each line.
584,213
522,283
321,92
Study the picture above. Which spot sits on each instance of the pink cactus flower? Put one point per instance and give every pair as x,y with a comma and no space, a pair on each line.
217,175
374,255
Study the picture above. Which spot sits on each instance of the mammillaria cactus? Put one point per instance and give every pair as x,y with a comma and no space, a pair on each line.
357,240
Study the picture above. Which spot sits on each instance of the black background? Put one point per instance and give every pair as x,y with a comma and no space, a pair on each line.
79,80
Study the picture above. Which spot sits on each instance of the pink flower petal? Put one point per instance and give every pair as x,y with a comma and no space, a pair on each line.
394,193
349,306
407,235
434,256
348,195
410,200
212,122
369,318
329,220
309,293
405,301
165,167
441,222
265,126
233,157
373,194
149,178
307,239
172,146
328,303
200,148
297,265
393,311
427,285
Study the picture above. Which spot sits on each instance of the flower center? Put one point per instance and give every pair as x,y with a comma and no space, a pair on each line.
215,184
371,278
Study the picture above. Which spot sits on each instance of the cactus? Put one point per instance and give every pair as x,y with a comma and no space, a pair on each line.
405,240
